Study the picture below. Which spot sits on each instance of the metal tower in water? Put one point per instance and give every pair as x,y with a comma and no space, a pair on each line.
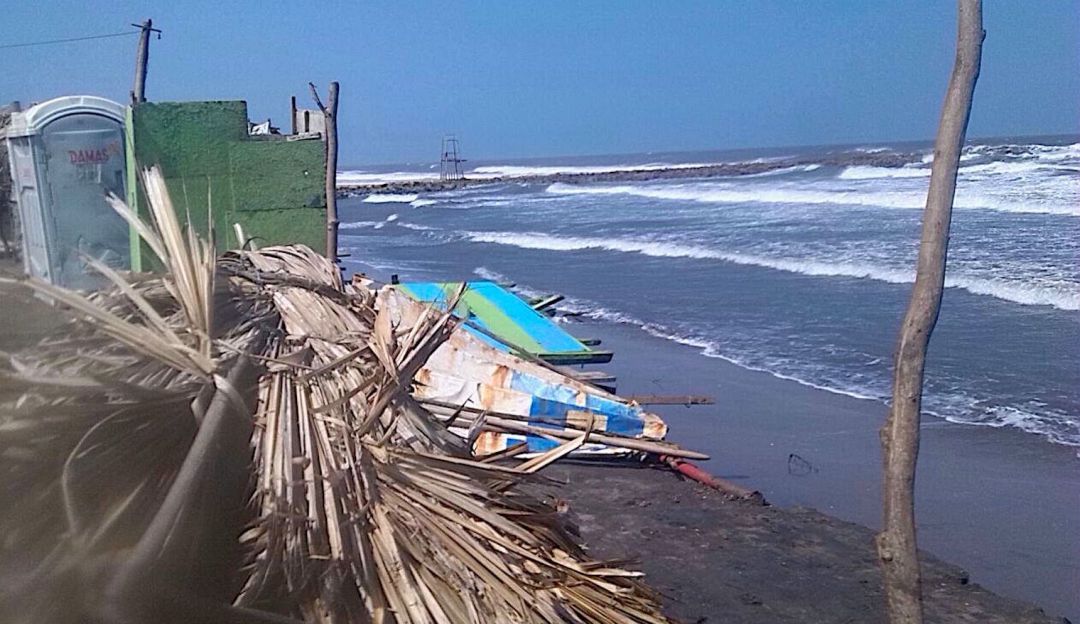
450,162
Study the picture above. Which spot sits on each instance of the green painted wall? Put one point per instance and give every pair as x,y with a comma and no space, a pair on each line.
272,187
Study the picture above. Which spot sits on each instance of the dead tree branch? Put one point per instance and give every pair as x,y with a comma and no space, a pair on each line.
896,543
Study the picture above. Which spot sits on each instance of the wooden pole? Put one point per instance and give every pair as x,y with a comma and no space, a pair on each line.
896,544
330,118
138,93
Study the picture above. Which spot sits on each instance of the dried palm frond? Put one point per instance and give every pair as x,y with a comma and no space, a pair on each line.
188,259
370,508
107,410
363,506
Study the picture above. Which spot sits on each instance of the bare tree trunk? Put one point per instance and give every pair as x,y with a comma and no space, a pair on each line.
900,436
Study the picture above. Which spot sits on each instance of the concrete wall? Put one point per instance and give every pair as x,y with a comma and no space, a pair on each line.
274,188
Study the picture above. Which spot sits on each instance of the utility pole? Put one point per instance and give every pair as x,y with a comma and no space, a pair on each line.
329,112
138,93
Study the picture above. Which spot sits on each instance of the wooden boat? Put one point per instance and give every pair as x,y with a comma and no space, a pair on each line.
506,322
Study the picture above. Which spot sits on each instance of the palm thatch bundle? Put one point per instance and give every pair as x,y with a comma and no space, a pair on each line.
235,441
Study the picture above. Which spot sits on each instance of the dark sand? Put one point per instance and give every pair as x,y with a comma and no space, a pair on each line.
715,560
1003,504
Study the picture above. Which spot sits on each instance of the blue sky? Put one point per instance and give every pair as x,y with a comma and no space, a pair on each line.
518,79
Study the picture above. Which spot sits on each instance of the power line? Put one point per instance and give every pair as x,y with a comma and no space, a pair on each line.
55,41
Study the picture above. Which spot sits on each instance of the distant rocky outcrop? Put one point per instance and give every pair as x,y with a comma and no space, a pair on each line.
873,159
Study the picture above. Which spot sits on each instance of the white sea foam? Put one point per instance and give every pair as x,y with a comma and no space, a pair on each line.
420,203
356,225
783,171
1056,426
416,226
389,198
1019,167
714,193
1066,297
709,348
347,178
991,168
860,172
1055,153
491,276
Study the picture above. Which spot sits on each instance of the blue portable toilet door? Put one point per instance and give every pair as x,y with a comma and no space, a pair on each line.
84,160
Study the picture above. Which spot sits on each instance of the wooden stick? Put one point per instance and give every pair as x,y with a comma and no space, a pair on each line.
671,399
329,112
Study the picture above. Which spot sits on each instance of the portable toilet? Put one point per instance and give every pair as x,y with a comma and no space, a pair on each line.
66,154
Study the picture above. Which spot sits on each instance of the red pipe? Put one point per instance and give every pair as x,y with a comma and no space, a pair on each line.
692,471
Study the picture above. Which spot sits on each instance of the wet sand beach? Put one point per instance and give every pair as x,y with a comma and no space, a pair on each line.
997,502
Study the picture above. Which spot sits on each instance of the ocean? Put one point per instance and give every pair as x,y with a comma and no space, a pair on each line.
802,271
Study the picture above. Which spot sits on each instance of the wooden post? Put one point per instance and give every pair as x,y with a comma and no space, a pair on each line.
292,114
330,122
138,93
896,544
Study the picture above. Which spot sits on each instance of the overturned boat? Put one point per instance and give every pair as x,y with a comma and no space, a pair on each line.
505,400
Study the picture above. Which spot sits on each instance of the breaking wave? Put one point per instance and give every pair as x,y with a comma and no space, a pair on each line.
356,225
783,171
416,226
345,178
713,193
869,173
1065,297
389,198
992,168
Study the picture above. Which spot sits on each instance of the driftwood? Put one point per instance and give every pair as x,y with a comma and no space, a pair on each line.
896,543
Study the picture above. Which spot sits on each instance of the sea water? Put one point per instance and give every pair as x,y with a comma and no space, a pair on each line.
802,271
